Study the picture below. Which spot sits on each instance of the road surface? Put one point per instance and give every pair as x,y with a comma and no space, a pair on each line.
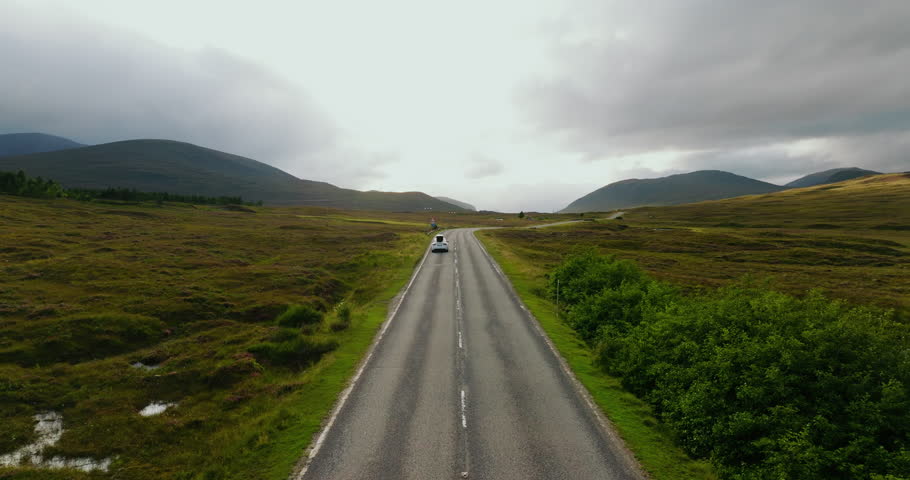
462,384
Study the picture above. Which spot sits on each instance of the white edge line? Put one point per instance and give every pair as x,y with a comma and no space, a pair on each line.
605,423
314,449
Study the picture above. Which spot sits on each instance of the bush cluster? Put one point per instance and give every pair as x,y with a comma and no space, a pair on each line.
296,316
342,317
21,185
293,345
292,350
764,384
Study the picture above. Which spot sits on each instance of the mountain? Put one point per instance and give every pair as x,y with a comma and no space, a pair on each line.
830,176
183,168
25,143
672,190
466,206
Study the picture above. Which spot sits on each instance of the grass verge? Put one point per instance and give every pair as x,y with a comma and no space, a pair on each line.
325,382
649,441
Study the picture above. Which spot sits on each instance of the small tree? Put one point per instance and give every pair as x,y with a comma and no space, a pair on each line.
521,214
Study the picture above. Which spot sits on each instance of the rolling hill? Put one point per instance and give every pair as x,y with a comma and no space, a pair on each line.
183,168
26,143
466,206
875,202
672,190
830,176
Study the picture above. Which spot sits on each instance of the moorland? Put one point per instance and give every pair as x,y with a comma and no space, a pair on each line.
761,334
244,321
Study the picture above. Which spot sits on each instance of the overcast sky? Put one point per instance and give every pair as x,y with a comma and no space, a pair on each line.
508,105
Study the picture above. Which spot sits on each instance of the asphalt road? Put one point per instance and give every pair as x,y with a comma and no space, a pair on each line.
463,384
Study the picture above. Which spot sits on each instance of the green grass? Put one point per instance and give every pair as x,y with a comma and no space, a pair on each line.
86,289
366,220
652,444
773,236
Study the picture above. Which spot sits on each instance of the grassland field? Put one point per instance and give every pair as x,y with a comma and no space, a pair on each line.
850,239
87,289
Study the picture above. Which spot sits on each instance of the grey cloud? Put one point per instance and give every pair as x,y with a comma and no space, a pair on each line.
885,152
771,164
348,167
724,74
482,166
96,84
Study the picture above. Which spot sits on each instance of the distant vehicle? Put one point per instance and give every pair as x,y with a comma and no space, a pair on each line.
439,244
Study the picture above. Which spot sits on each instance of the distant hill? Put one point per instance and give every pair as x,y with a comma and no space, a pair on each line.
877,202
176,167
830,176
26,143
466,206
672,190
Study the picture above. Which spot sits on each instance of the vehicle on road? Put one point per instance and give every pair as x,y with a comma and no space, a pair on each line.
439,244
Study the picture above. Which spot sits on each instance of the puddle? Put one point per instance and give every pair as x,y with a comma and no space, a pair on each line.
144,366
156,408
49,427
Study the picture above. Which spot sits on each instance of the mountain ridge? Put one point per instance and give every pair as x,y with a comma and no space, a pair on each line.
33,142
833,175
154,165
459,203
670,190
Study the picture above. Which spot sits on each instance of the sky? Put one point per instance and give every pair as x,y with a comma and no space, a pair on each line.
508,105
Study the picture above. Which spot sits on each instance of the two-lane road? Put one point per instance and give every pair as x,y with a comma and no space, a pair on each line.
462,382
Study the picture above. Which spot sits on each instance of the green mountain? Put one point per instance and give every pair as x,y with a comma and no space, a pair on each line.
830,176
672,190
25,143
466,206
183,168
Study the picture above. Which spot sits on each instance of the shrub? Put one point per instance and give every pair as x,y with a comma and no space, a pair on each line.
587,273
297,316
342,317
297,353
343,311
765,384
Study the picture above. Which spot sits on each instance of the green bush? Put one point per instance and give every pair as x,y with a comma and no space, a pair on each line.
764,384
342,320
587,273
296,352
297,316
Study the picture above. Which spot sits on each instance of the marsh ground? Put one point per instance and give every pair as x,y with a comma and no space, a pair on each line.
89,288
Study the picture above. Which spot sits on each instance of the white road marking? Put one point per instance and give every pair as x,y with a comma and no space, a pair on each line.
464,418
459,341
347,392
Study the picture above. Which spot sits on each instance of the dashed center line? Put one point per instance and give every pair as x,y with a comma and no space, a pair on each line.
464,418
460,367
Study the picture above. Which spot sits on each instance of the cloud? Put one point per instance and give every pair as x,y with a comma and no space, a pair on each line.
773,163
884,152
723,75
97,84
482,166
